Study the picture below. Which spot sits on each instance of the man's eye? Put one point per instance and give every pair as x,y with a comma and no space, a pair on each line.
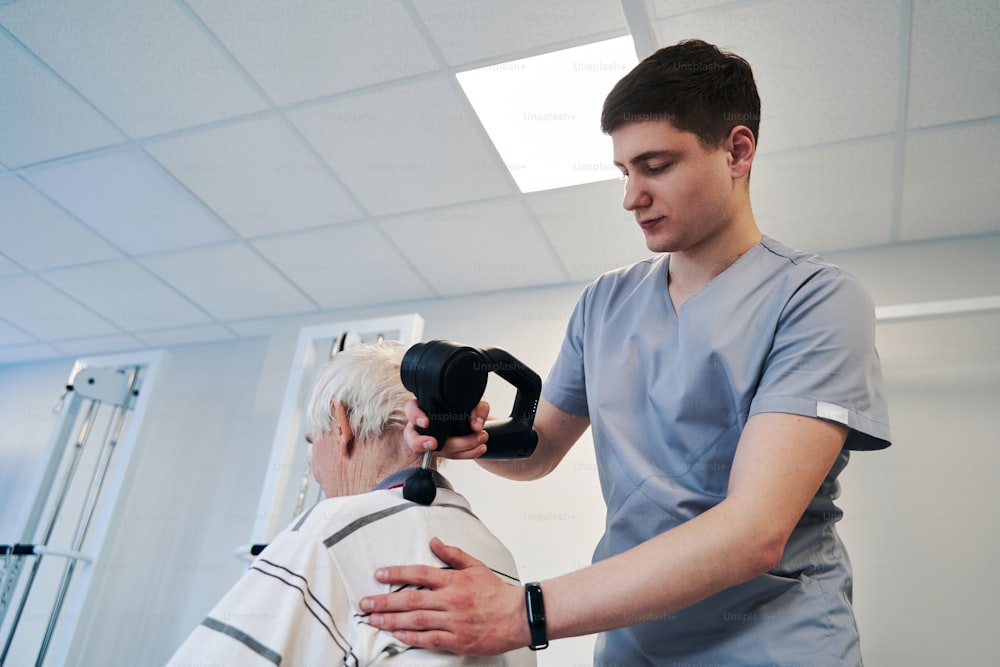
657,168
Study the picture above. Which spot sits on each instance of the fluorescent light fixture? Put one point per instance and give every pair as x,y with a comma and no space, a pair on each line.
544,113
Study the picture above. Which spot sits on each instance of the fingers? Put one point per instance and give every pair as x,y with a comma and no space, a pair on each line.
414,575
416,417
479,415
465,447
466,610
414,414
453,556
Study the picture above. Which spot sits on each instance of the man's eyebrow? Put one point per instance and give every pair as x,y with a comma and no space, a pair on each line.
651,155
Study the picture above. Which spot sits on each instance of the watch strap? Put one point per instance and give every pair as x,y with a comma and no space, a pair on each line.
535,607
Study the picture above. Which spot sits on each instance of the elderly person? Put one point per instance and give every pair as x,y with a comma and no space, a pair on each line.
298,603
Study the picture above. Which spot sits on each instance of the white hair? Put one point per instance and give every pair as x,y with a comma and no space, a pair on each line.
364,378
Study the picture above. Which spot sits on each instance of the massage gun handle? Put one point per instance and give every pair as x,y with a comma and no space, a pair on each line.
515,436
509,439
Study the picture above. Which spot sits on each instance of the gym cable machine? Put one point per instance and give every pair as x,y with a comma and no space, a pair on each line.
96,399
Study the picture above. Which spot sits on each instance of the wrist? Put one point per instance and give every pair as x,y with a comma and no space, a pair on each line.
534,605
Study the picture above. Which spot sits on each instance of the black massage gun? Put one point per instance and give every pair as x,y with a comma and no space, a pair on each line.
448,380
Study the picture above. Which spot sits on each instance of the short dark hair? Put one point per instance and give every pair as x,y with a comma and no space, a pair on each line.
694,85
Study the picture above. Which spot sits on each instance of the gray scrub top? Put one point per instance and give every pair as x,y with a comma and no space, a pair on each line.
668,396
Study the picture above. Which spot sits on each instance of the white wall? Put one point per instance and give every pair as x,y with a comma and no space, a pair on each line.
918,516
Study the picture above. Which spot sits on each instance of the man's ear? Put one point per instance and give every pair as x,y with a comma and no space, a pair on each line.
341,427
742,148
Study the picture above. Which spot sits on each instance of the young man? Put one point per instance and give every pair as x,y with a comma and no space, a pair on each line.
298,602
724,382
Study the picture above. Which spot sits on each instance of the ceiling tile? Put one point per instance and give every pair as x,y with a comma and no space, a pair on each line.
588,227
41,117
128,295
255,328
258,176
10,335
167,73
230,281
47,313
345,265
826,71
185,336
826,198
949,182
99,345
24,353
954,62
129,200
39,235
476,248
514,26
338,46
8,267
406,147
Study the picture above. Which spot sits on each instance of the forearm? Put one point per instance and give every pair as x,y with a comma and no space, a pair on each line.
735,541
518,469
677,569
557,432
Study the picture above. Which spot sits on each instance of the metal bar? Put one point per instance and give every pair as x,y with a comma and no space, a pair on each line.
54,462
640,26
81,441
94,492
22,550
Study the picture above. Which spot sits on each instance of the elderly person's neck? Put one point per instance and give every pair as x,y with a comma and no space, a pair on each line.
369,462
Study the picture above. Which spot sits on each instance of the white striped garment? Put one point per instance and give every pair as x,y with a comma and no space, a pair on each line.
297,604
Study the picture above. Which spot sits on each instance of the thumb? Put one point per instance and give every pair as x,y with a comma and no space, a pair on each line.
452,556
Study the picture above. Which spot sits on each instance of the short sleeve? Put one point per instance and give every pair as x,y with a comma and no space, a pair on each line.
566,386
823,362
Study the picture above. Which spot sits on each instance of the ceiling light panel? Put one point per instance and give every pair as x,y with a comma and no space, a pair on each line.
543,113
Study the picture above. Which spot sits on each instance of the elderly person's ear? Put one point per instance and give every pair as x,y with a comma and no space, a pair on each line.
340,427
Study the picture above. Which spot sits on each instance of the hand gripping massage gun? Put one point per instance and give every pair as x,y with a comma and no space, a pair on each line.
448,380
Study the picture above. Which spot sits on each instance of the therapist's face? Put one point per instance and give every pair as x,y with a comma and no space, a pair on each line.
681,193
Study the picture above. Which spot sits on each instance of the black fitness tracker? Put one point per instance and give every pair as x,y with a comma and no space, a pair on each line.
536,616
